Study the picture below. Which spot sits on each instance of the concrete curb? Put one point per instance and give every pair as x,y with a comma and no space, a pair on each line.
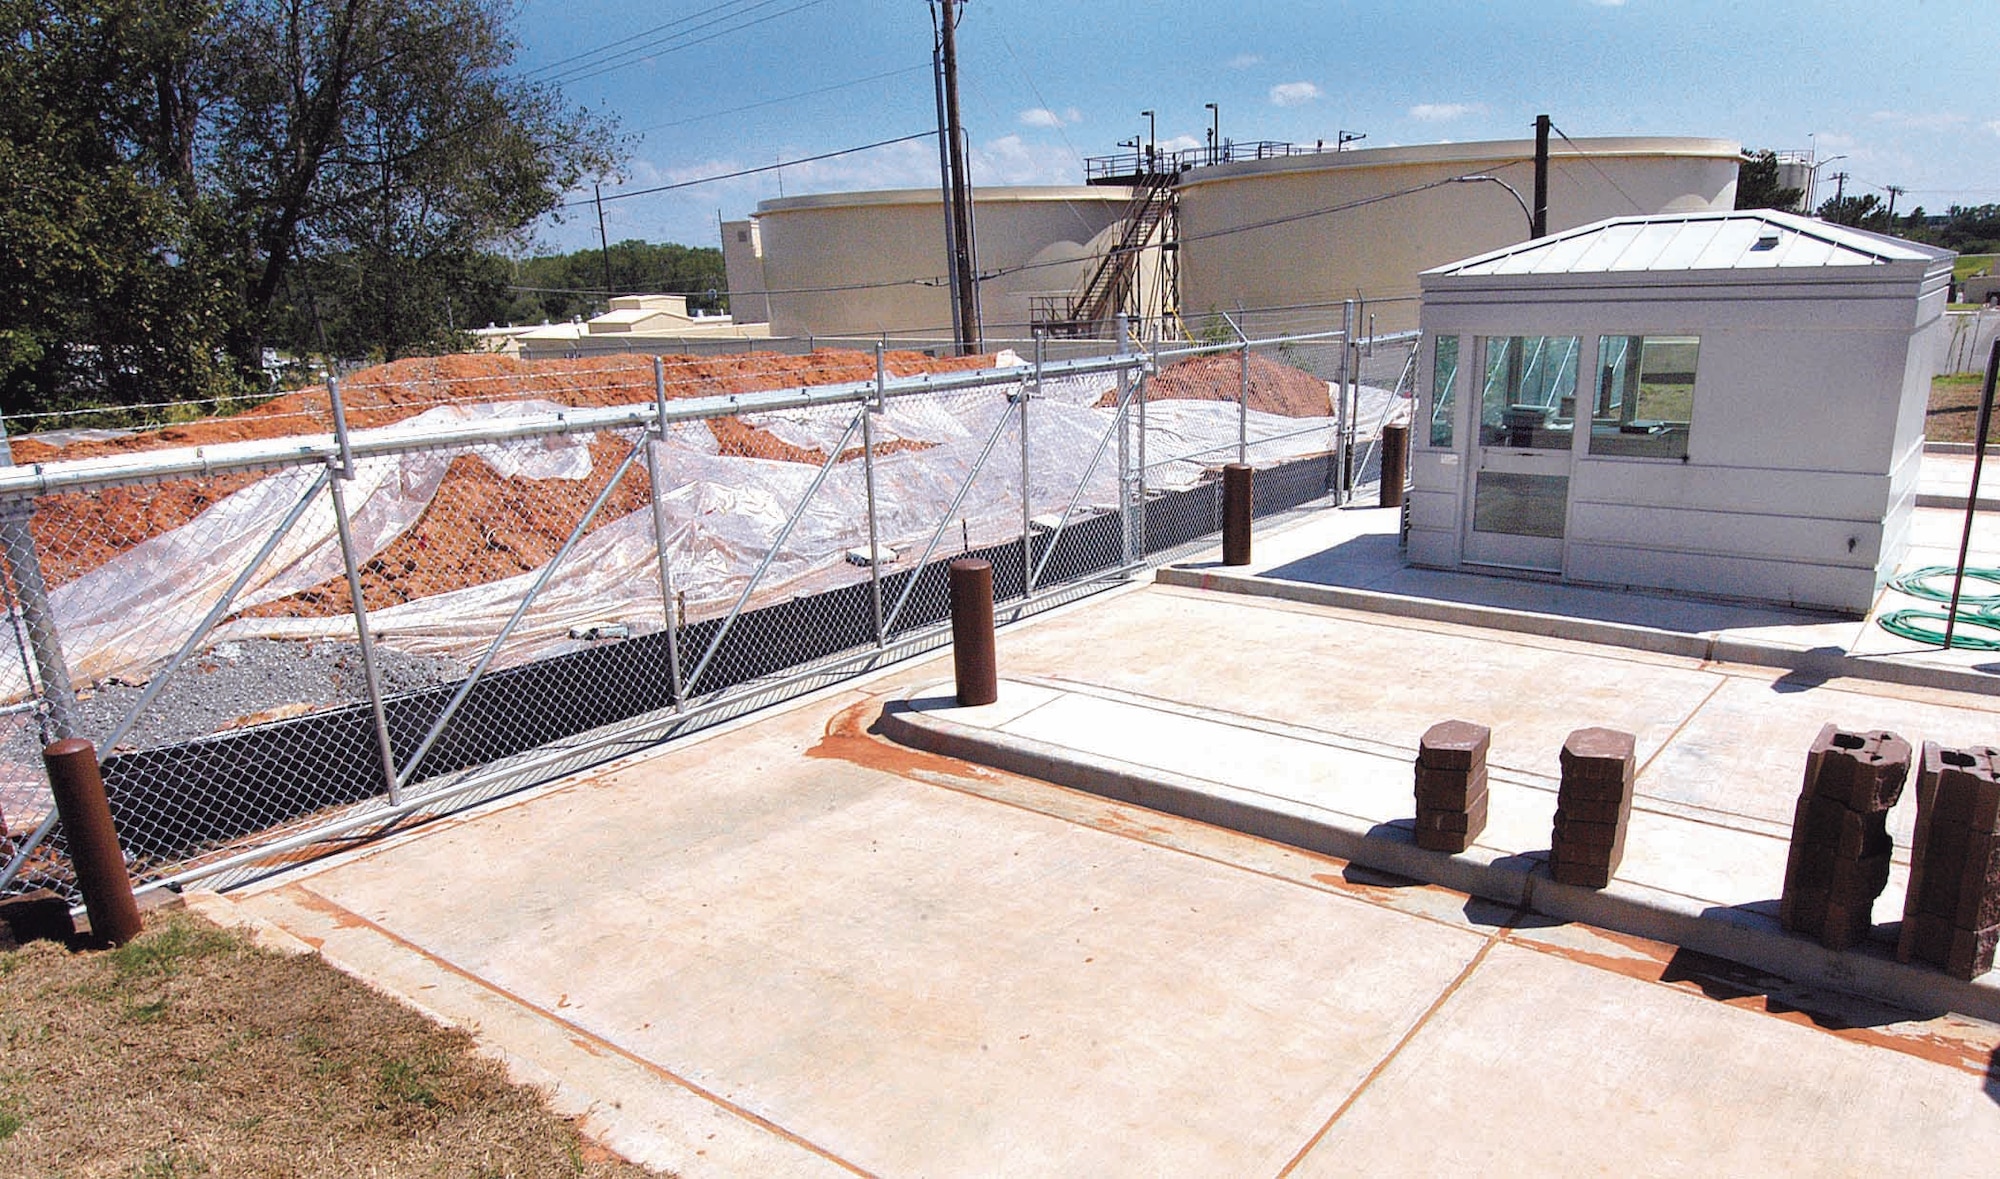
1708,647
1747,934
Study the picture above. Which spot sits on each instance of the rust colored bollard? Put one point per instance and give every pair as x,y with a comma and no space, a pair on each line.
1238,483
1395,464
93,842
972,655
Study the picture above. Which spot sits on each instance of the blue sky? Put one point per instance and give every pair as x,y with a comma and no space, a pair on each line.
1908,91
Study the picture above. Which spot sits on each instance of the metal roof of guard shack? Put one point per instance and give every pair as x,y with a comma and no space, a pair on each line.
1700,247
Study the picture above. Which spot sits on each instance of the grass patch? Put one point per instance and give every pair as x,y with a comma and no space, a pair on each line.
192,1052
1953,415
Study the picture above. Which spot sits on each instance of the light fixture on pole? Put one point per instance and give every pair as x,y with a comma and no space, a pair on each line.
1511,191
1152,137
1214,131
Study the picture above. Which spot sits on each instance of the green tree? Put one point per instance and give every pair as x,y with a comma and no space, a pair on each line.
1862,212
189,181
106,293
1757,185
557,287
388,135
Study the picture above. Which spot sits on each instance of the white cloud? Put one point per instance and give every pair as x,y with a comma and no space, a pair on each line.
1994,126
1921,120
1244,61
1295,93
1042,116
1182,143
1444,112
1609,3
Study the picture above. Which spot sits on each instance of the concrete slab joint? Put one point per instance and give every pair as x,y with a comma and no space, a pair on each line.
1593,807
1451,785
1951,913
1840,849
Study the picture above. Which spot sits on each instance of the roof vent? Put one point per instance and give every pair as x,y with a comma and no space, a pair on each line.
1767,239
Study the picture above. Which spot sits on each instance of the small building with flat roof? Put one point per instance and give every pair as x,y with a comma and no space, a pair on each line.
1728,404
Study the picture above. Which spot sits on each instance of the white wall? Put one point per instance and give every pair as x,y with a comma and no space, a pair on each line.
1377,250
842,264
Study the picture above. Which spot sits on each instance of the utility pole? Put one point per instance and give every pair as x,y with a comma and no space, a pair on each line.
603,244
965,277
1894,190
1839,186
1539,219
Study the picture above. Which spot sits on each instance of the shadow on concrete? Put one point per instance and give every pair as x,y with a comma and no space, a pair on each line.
1802,680
1732,982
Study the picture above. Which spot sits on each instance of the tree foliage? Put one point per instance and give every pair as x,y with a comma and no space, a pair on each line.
192,180
1757,185
1863,212
557,287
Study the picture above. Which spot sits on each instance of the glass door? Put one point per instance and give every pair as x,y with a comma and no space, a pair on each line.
1520,463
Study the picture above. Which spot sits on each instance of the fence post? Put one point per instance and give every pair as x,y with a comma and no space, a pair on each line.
1243,403
1340,422
659,510
868,413
972,655
94,854
1238,499
1027,503
1125,448
1395,448
351,561
17,541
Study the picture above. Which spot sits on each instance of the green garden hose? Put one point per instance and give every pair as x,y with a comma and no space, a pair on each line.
1913,584
1904,624
1979,611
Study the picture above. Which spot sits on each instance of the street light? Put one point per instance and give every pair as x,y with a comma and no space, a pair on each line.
1511,191
1152,137
1812,181
1214,130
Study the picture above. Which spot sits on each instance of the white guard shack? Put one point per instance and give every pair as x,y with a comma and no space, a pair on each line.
1726,404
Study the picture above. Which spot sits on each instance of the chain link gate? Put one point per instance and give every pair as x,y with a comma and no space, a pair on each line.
283,645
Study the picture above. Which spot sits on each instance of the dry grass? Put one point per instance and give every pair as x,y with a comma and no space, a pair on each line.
1953,415
192,1052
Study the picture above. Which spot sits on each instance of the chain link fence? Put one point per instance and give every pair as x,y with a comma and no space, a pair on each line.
280,645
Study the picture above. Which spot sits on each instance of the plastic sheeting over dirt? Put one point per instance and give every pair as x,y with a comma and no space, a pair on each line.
722,515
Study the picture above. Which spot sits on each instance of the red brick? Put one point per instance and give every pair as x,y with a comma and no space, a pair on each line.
1449,788
1581,875
1866,771
1470,819
1454,745
1594,810
1971,953
1453,842
1925,938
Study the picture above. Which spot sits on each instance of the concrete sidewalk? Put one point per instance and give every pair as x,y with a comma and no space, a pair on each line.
790,948
1299,723
1349,558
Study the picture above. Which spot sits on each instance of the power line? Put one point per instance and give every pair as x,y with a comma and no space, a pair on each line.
546,67
734,110
845,151
1636,206
663,46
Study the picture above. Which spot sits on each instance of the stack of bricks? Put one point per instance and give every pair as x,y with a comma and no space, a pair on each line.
1839,860
1451,785
1593,807
1951,916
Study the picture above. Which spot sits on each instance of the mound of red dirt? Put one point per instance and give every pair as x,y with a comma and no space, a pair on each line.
1274,388
480,527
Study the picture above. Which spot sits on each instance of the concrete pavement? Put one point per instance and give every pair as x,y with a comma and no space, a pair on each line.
791,947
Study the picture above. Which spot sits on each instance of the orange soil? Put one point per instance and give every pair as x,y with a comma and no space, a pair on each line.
480,527
1274,388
